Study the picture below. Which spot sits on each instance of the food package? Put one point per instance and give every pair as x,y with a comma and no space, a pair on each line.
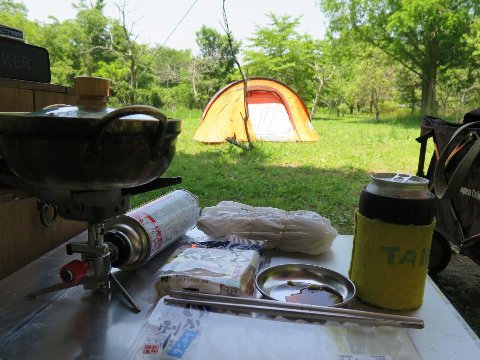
212,267
292,231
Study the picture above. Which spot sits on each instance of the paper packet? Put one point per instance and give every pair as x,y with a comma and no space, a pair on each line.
212,267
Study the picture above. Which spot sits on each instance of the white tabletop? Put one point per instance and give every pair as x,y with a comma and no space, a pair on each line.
76,324
445,336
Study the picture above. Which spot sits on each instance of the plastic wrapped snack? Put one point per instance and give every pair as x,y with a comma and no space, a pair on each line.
212,267
293,231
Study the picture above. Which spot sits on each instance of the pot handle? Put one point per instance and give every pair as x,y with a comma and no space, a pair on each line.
93,151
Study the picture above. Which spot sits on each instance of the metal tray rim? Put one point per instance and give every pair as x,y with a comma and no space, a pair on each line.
320,269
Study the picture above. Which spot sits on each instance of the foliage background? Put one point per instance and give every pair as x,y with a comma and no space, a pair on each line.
377,56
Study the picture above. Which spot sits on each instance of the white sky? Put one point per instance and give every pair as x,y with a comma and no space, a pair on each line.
154,20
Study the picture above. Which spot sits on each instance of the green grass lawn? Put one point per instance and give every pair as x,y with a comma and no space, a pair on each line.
325,176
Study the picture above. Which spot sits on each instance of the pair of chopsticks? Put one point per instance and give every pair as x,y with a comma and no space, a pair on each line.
292,310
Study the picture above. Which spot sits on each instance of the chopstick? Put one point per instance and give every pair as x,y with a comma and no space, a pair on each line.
299,311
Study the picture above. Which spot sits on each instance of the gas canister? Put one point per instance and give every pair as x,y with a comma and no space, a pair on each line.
393,230
142,233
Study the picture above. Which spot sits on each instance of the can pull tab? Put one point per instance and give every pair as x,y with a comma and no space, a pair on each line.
401,178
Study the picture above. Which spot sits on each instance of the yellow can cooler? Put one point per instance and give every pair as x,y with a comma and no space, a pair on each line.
393,232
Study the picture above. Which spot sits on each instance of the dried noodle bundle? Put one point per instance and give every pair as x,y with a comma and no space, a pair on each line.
291,231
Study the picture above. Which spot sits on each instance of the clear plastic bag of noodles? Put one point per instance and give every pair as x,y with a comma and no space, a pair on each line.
291,231
213,265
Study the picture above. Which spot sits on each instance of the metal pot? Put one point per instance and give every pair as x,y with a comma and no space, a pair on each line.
64,147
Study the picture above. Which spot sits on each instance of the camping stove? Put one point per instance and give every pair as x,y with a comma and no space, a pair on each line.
94,270
87,161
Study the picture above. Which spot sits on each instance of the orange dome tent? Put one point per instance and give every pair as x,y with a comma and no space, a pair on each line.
276,113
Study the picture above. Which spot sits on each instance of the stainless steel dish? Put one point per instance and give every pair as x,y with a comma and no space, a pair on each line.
305,283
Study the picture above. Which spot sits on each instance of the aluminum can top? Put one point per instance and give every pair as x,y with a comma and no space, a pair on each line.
402,186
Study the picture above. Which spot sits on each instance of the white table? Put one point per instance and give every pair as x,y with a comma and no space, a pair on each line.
445,336
77,324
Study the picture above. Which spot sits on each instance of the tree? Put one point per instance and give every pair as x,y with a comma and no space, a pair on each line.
12,7
336,80
14,14
53,36
170,65
408,85
323,74
279,51
90,36
374,80
214,67
128,69
171,70
425,36
473,38
458,90
63,52
333,70
214,50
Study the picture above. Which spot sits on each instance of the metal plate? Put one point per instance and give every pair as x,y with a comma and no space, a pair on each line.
318,285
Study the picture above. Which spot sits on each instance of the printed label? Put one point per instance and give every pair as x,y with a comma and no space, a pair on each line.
413,257
150,349
167,218
153,229
183,343
169,332
470,192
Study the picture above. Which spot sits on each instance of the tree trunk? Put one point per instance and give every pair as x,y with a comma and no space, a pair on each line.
429,103
133,81
317,96
429,78
314,105
376,105
193,73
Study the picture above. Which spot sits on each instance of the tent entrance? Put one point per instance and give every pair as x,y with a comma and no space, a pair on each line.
269,117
